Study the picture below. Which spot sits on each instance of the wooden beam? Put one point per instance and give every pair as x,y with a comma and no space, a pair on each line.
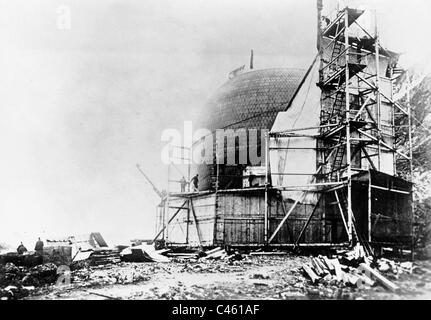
287,225
381,279
287,216
369,158
292,208
310,273
390,190
341,211
266,213
198,230
306,224
337,267
383,144
170,220
188,222
369,208
362,108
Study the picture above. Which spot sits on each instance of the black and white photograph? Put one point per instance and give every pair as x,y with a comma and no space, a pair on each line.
229,152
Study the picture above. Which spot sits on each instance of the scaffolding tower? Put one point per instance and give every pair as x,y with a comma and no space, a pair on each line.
357,100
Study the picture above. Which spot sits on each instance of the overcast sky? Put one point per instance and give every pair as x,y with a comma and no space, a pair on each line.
80,107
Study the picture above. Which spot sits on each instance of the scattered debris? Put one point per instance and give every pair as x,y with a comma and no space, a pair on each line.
347,274
269,253
217,253
82,255
18,281
357,273
142,253
104,256
103,295
381,279
310,273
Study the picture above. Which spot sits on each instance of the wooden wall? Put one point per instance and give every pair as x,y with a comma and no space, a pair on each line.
240,218
237,218
204,207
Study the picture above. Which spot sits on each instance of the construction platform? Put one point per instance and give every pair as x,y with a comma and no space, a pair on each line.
381,210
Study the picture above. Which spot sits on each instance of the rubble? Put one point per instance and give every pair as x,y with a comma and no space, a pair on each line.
142,253
347,274
93,276
29,259
17,282
358,273
104,256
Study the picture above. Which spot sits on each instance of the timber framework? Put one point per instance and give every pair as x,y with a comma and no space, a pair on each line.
333,172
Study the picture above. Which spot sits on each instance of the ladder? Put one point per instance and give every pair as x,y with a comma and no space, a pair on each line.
338,161
335,56
337,107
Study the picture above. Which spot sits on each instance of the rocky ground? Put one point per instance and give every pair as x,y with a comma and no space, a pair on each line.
253,277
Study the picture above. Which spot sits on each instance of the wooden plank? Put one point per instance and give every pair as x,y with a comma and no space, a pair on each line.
380,278
170,220
286,217
263,253
213,250
316,267
365,280
337,268
310,273
321,264
328,263
196,223
102,295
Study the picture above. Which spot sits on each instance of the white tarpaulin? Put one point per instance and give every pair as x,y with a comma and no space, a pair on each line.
304,112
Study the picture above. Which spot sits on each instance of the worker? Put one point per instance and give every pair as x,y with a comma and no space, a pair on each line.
21,249
325,22
39,247
195,182
250,180
183,184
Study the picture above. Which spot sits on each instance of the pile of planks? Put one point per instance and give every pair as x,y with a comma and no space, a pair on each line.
183,255
216,254
221,254
101,257
326,270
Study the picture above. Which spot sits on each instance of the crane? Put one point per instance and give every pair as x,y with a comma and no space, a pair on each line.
161,194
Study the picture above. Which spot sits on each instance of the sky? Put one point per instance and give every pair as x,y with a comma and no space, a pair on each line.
82,103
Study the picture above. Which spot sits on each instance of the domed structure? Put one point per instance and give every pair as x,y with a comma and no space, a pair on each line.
251,100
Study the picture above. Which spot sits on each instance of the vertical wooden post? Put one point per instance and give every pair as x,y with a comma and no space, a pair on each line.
188,221
378,98
217,173
167,207
189,166
409,106
158,213
348,146
267,138
369,206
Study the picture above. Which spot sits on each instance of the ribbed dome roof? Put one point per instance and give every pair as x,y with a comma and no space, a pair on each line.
252,99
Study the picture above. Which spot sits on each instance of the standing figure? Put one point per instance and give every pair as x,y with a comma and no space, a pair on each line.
250,180
183,184
39,247
21,249
195,182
